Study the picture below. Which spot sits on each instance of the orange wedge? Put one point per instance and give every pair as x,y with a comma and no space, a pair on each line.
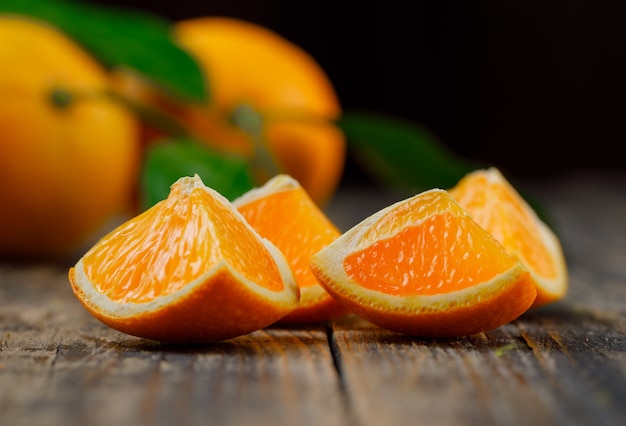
188,270
496,206
423,267
283,212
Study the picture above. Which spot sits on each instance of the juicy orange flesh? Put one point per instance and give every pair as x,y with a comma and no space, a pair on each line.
426,204
273,218
499,211
173,243
442,254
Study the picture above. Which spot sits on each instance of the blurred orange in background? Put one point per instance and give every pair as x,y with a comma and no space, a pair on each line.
270,102
68,153
76,134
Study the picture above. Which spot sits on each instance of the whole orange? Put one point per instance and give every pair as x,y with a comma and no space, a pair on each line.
250,66
247,64
68,152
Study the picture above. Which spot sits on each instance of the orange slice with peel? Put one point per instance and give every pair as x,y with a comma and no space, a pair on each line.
188,270
497,206
283,212
423,267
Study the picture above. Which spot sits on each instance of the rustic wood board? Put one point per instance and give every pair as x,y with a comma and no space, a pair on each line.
561,364
60,366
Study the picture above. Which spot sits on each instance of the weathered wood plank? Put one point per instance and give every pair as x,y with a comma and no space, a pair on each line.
560,365
60,366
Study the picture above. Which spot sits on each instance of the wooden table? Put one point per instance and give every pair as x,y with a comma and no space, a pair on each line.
564,364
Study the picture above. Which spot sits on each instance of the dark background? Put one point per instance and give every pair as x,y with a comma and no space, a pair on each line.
534,87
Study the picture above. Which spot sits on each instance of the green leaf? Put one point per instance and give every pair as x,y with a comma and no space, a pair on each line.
407,156
170,160
123,38
400,153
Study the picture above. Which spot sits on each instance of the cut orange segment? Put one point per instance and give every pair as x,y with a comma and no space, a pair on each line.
423,267
283,212
188,270
496,206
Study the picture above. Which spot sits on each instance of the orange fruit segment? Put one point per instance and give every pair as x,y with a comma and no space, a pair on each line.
188,270
423,267
284,213
497,206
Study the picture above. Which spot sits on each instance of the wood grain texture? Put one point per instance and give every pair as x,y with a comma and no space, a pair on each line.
564,363
557,366
60,366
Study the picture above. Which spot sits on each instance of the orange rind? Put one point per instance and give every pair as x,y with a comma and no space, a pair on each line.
69,154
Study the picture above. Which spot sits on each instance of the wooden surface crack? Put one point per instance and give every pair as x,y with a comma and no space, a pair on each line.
336,356
344,394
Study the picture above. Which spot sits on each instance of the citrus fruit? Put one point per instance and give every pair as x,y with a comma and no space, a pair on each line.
247,64
250,67
68,153
497,206
188,270
282,211
423,267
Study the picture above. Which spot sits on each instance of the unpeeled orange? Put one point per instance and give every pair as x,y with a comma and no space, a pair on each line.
68,152
251,68
423,267
247,64
284,213
498,207
188,270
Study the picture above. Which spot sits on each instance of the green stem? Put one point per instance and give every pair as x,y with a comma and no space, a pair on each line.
295,116
61,98
244,117
154,117
252,123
